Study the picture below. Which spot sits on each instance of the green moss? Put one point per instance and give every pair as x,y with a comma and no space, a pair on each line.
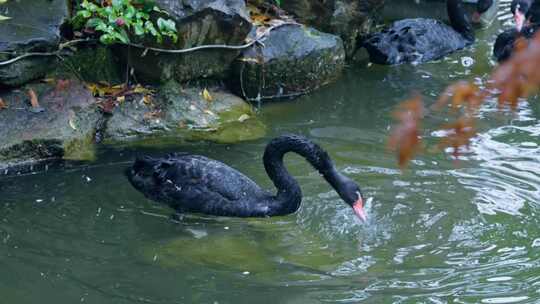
80,149
93,63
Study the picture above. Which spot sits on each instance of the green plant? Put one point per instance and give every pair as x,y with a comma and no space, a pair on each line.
117,19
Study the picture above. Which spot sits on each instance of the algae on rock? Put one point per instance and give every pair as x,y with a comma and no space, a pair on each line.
185,114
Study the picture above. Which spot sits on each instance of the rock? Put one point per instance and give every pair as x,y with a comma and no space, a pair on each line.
198,22
294,60
34,27
185,114
92,63
348,19
64,127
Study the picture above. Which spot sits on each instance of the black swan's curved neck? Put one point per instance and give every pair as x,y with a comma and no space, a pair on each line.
459,20
289,194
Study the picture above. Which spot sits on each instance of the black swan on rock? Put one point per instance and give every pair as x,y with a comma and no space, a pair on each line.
527,19
420,40
194,183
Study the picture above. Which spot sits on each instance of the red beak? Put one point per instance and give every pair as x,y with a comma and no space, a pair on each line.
358,208
519,18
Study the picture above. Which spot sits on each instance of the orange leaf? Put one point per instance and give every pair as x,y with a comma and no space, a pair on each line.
33,99
3,105
405,138
459,134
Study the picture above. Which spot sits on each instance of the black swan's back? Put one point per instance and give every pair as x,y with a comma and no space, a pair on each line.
505,42
194,183
414,40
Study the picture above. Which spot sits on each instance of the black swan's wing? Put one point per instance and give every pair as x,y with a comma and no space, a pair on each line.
414,40
506,41
198,184
504,44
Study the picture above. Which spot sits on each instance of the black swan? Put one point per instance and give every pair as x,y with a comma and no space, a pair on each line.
419,40
527,18
194,183
525,11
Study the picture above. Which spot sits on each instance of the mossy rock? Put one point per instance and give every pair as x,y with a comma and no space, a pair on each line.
185,114
62,127
294,60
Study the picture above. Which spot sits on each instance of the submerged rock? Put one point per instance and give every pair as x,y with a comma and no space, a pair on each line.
62,126
348,19
185,114
294,60
198,22
34,26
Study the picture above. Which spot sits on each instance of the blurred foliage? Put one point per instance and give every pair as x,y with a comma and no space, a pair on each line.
511,82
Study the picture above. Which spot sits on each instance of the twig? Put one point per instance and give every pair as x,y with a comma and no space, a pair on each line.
192,49
215,46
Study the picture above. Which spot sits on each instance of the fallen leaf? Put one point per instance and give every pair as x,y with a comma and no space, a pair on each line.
243,117
140,89
3,18
107,106
405,138
33,99
209,112
206,95
72,124
121,98
147,99
3,105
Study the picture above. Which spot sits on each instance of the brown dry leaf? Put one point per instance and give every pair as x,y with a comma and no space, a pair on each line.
258,18
461,94
3,105
206,95
405,138
107,106
459,134
33,99
147,99
101,90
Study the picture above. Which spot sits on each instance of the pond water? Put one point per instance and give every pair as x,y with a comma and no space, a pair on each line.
443,231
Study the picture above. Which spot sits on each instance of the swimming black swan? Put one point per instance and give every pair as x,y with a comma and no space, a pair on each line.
525,11
194,183
527,17
419,40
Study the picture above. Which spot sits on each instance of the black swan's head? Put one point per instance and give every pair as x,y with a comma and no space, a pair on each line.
482,6
142,175
519,9
349,191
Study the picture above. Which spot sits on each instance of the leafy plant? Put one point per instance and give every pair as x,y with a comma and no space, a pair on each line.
117,19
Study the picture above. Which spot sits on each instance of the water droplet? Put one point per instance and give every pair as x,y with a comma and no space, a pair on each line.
467,61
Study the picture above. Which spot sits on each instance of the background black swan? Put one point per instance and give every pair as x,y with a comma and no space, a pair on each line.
527,17
194,183
525,11
419,40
